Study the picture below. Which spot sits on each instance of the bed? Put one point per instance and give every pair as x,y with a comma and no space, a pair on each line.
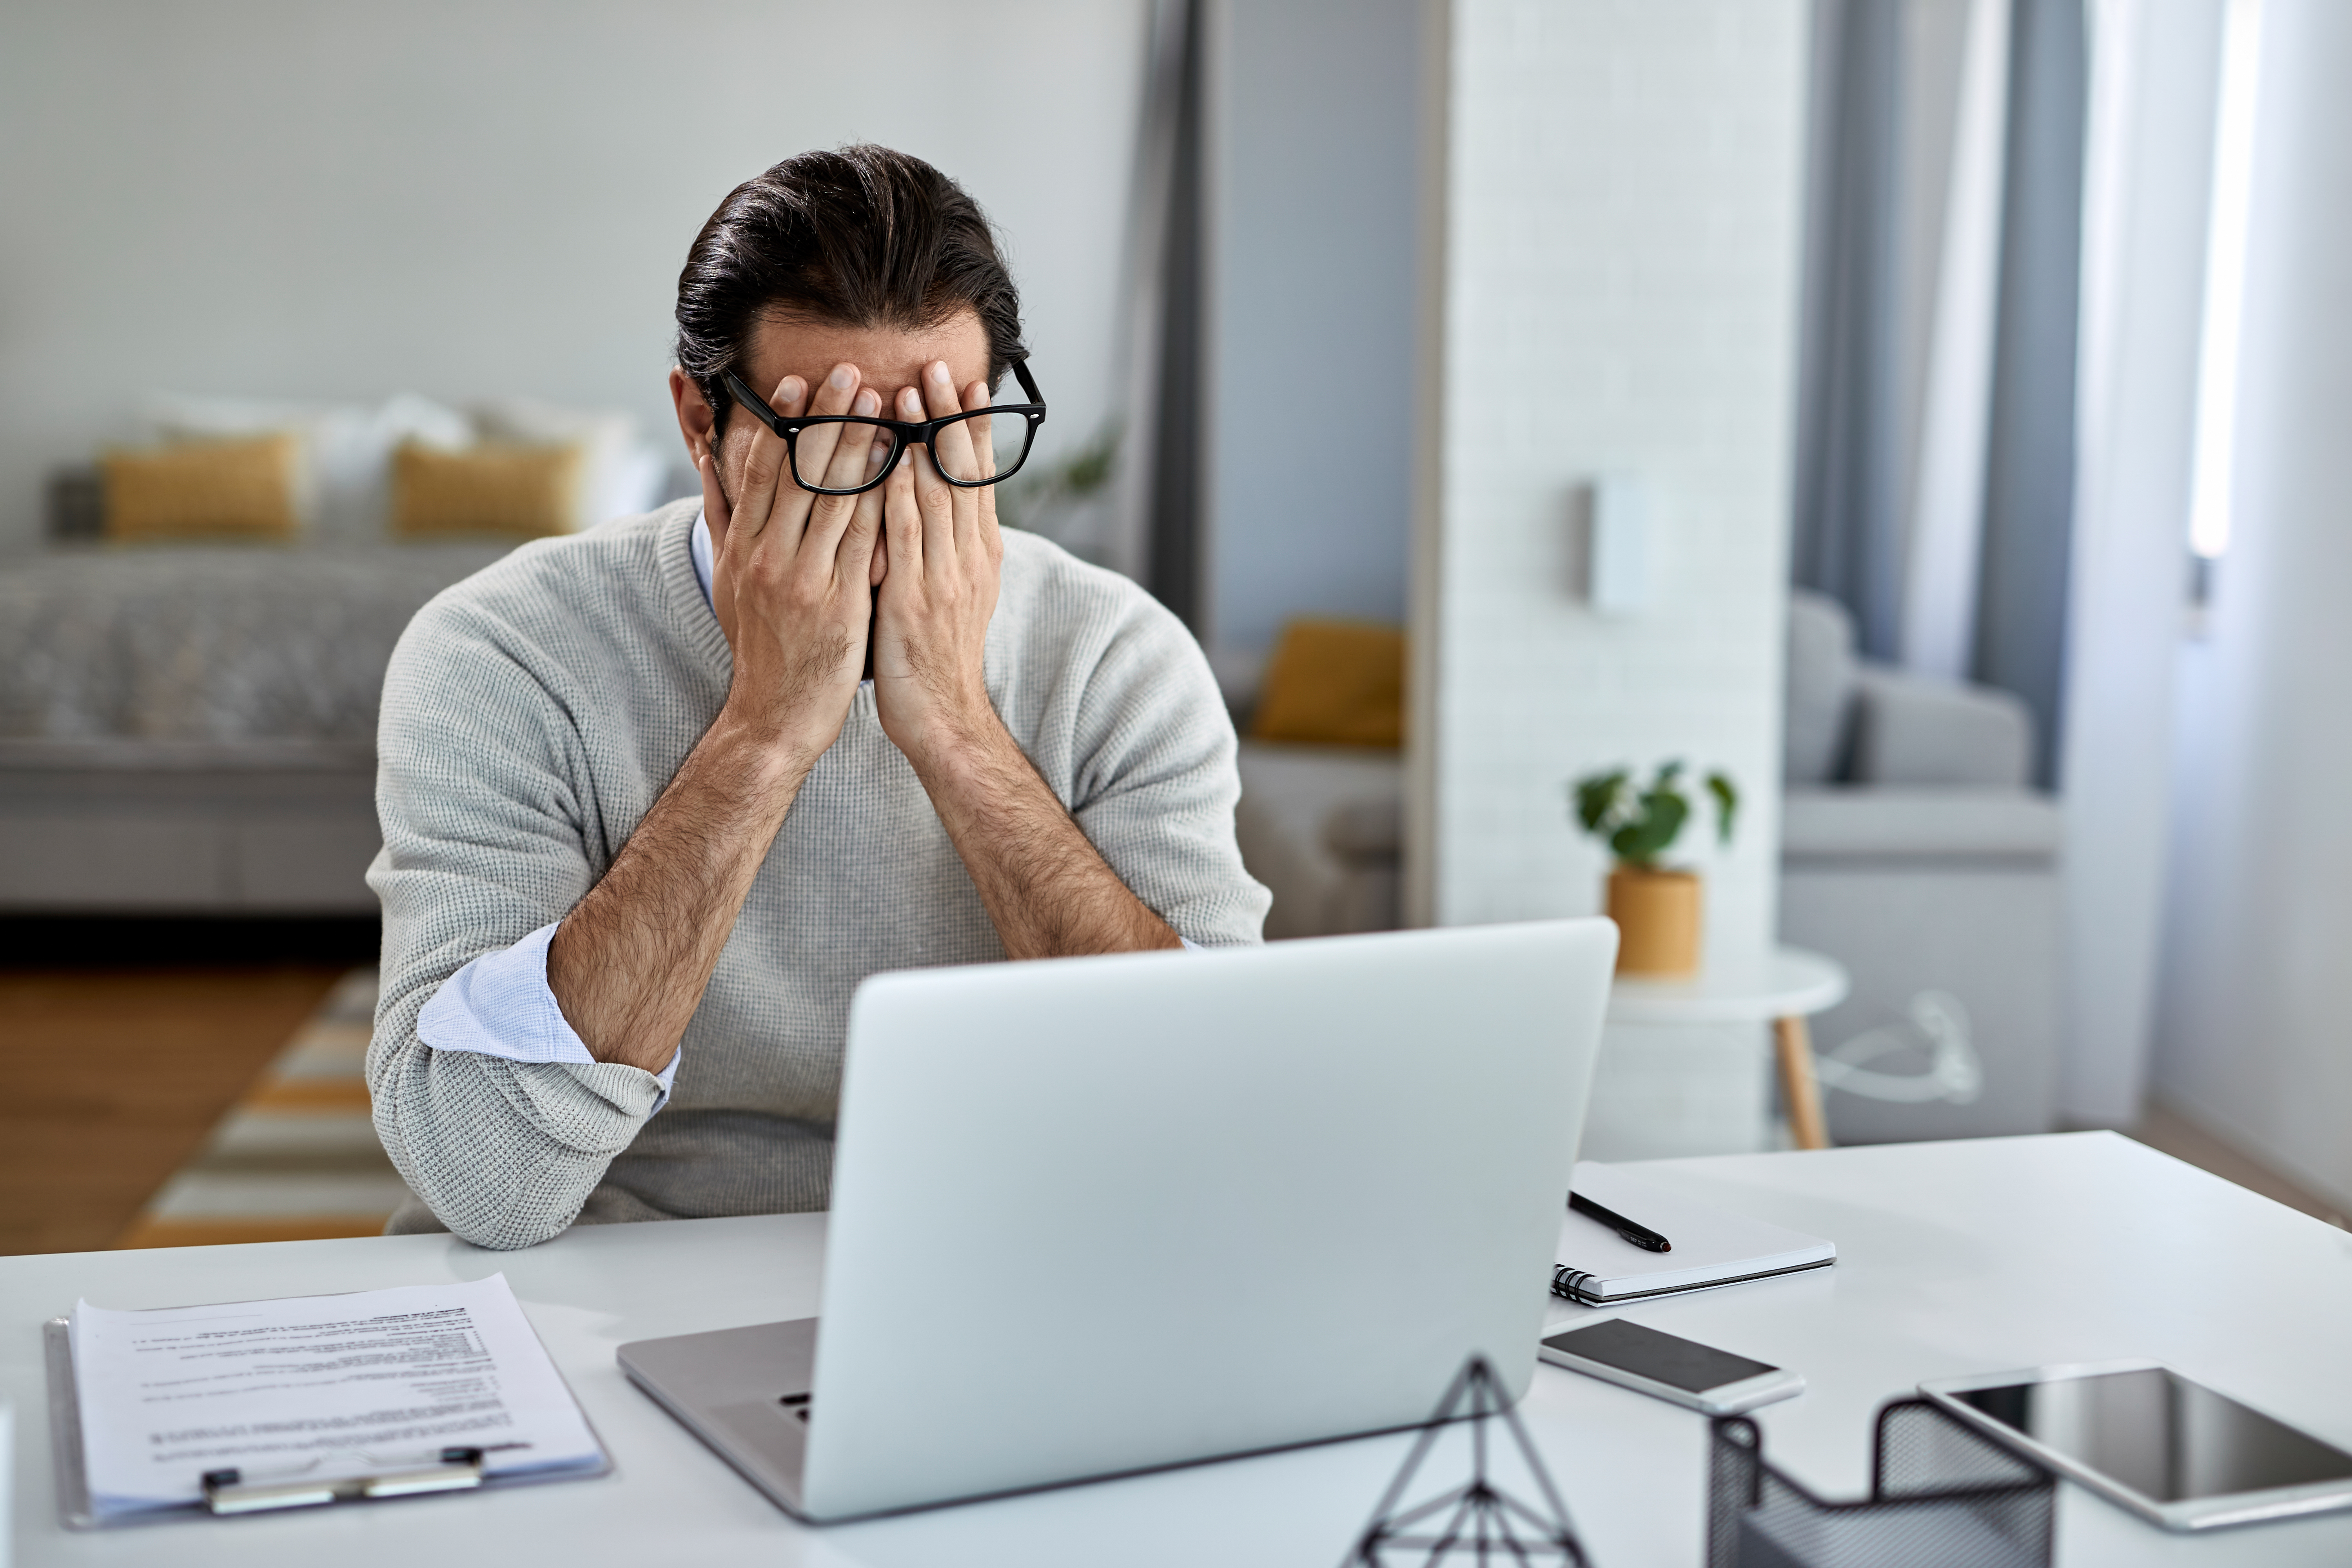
192,730
190,727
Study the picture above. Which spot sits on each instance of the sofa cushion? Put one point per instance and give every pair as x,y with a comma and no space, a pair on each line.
1333,683
1909,730
203,490
1891,826
1820,687
530,491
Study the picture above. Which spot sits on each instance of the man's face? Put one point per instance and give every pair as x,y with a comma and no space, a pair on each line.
888,360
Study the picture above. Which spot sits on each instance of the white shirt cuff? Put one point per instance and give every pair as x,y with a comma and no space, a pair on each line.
499,1006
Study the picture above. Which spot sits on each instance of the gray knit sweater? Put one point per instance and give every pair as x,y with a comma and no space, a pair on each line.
534,712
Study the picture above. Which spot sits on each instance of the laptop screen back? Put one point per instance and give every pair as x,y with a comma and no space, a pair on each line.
1098,1215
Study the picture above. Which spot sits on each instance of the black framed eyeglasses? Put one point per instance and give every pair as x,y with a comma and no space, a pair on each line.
1000,438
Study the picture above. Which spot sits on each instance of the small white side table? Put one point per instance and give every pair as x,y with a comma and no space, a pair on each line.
1787,986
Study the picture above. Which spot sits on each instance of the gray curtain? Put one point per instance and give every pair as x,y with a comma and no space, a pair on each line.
1172,555
1850,525
1849,522
2029,516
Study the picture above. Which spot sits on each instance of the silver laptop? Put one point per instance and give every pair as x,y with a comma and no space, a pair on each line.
1103,1215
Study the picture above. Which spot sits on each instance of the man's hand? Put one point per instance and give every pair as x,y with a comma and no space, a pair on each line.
939,591
790,580
792,577
1047,890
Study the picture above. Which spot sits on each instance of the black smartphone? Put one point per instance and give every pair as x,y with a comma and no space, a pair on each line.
1667,1367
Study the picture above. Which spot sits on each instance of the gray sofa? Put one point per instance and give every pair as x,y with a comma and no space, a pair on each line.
1913,851
1322,825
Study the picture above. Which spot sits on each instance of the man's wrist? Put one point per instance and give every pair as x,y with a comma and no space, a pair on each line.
966,752
765,753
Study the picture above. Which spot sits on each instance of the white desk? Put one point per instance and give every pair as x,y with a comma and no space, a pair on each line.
1953,1258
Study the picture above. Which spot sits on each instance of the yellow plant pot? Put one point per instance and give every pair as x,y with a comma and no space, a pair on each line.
1658,918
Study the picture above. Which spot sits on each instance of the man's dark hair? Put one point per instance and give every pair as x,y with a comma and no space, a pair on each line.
863,236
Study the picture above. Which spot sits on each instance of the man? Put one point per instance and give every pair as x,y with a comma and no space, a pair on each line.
647,823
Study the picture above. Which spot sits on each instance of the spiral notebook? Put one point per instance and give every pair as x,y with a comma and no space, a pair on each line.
1712,1246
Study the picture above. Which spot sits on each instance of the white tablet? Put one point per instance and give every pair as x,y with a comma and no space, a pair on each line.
2141,1435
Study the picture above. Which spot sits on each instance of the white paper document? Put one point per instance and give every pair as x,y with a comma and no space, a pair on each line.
317,1388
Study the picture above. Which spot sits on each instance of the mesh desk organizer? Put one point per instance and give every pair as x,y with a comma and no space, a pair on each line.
1940,1497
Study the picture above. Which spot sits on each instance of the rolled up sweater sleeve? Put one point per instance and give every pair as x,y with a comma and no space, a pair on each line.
499,1006
488,843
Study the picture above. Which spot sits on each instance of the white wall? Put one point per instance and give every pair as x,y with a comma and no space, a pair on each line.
340,200
1620,297
2256,1034
1311,230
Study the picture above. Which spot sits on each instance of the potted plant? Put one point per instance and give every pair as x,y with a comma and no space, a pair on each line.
1656,907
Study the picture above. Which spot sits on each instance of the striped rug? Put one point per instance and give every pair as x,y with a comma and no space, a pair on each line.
297,1158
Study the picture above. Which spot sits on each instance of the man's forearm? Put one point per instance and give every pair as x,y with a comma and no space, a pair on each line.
629,963
1047,890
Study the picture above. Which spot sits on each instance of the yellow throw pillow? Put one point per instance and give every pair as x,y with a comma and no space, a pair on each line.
527,490
1340,683
203,490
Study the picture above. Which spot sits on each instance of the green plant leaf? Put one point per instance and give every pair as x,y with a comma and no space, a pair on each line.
1092,467
1596,797
1041,488
1640,825
1640,841
1727,804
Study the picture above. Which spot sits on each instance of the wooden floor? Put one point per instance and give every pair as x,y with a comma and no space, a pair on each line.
2168,1132
114,1076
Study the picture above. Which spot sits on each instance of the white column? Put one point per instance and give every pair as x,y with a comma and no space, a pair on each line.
1619,294
2255,1037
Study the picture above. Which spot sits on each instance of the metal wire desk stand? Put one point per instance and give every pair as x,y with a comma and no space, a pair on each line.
1478,1519
1940,1497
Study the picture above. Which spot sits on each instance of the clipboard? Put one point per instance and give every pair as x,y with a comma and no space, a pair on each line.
227,1494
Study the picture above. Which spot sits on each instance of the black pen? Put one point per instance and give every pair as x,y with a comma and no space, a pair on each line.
1640,1236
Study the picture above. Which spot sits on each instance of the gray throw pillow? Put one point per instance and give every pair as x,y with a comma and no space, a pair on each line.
1820,687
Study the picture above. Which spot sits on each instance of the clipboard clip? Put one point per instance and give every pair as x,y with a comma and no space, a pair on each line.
226,1492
